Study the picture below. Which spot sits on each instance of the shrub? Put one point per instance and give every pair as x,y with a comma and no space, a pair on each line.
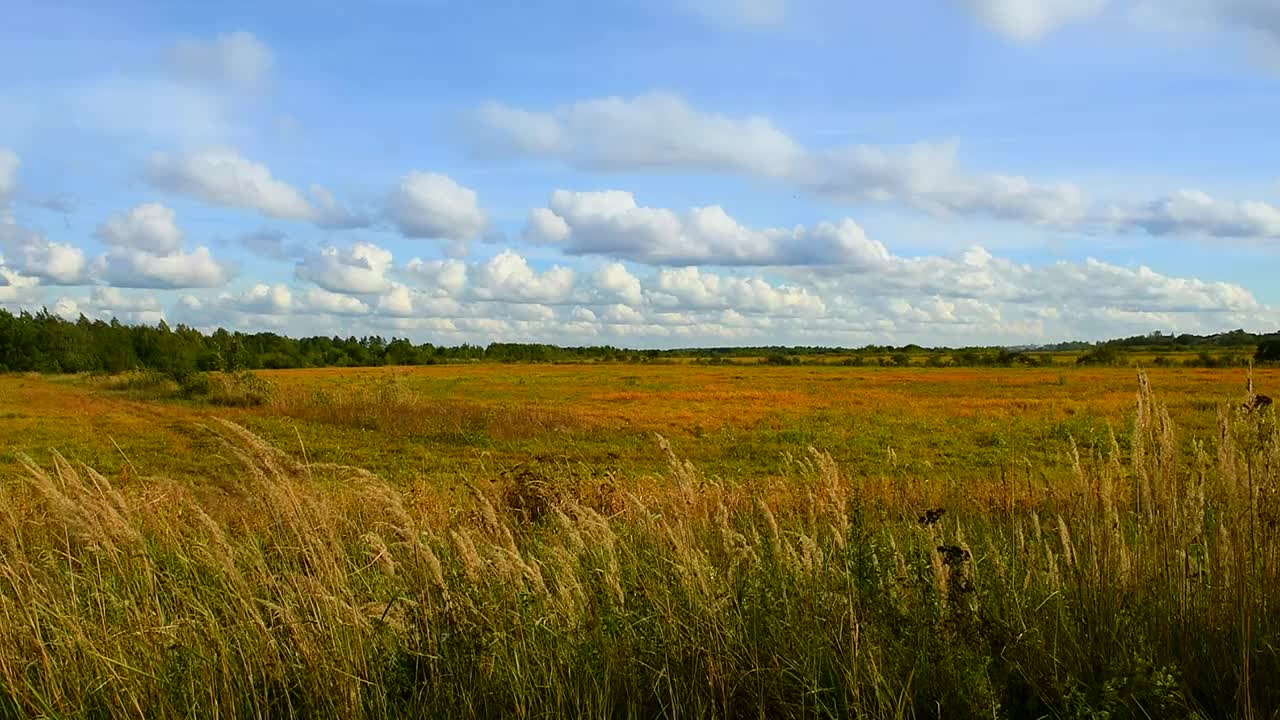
242,389
194,385
1268,352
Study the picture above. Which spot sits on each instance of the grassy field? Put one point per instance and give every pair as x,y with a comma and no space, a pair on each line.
641,541
452,422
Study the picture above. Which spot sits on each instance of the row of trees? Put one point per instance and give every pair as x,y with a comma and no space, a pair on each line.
44,342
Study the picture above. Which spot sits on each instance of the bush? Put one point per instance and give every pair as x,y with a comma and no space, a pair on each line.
1268,352
1101,355
194,385
142,381
242,389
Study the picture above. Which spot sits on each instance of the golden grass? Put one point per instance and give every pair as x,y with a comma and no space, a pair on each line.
1138,585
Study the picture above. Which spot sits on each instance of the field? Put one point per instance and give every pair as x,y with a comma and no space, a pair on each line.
638,540
457,422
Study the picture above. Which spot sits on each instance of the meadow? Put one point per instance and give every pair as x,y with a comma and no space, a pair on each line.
641,540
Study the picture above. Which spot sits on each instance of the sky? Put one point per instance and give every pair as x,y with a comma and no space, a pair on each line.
646,173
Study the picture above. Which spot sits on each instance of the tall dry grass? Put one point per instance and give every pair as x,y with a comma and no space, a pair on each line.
1140,589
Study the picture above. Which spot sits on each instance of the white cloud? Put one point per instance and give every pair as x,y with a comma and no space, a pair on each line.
360,270
151,227
692,288
977,275
263,299
319,300
403,301
507,277
32,254
928,176
519,131
431,205
615,281
15,288
238,58
658,131
662,132
222,177
8,172
618,314
106,303
123,267
611,223
445,278
970,298
1028,20
1191,212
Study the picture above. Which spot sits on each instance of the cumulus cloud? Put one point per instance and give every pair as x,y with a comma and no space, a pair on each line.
611,223
614,281
263,299
662,132
403,301
124,267
151,227
116,299
15,288
972,297
32,254
359,270
431,205
222,177
319,300
144,250
107,303
238,59
978,275
508,277
445,278
692,288
1028,20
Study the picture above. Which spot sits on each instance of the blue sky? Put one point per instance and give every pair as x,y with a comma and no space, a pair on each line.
670,173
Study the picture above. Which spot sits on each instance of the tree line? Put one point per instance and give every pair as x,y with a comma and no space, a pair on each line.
45,342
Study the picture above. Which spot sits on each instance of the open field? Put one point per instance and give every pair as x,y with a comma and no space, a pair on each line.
527,546
455,422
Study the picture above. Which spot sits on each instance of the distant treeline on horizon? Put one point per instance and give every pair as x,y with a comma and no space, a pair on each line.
45,342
